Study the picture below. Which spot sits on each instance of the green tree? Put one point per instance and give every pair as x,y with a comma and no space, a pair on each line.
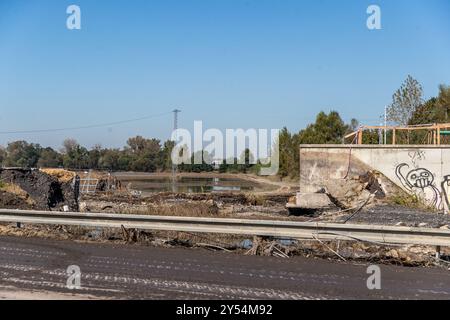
109,159
434,110
49,158
166,156
200,162
22,154
353,126
427,113
443,101
69,145
223,168
247,161
287,150
75,156
145,154
328,129
94,156
2,155
123,162
405,101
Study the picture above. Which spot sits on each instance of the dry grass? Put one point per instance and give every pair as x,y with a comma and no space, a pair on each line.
17,191
187,209
255,199
62,175
411,201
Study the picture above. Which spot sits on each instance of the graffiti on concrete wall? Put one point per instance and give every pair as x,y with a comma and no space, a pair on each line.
446,191
416,156
422,182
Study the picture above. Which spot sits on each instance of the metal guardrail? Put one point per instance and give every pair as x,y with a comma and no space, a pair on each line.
283,229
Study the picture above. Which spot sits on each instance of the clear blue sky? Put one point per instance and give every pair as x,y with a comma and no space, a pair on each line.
230,63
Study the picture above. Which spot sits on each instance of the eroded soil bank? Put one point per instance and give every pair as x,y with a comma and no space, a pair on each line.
38,190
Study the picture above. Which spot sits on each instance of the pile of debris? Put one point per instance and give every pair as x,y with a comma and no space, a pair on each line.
348,193
34,189
364,190
98,181
196,205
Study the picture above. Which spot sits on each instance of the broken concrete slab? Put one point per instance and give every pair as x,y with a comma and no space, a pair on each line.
313,200
399,167
310,203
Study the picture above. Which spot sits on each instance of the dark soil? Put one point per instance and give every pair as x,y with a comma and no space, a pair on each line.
11,201
222,197
47,192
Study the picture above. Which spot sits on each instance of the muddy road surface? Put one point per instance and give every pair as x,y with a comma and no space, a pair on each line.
37,268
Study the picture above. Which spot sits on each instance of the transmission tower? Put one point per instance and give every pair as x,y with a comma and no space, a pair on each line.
175,118
174,166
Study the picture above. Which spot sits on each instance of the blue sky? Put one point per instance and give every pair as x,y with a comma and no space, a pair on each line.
230,63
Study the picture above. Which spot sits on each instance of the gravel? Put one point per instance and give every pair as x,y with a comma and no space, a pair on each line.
397,215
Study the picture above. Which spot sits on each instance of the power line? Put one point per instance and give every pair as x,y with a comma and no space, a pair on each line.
87,126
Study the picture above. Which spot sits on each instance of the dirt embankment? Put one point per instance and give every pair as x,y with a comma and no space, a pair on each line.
38,190
197,205
12,201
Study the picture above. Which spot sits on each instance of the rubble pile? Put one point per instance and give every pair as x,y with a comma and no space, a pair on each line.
196,205
372,185
38,190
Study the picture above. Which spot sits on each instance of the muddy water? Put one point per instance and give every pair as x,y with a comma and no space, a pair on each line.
187,184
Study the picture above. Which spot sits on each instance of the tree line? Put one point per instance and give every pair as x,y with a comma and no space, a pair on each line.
140,154
151,155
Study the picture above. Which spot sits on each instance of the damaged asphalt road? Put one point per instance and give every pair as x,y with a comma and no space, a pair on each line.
35,268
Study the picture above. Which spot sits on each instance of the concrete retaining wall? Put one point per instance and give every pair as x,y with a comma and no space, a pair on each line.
422,170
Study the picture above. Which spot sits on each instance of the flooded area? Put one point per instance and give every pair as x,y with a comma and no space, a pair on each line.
185,184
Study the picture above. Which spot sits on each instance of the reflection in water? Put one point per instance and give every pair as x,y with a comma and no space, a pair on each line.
189,185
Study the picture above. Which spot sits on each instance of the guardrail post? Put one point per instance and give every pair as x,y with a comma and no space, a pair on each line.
438,253
19,225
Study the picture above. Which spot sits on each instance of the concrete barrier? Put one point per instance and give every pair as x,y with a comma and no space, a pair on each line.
417,169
